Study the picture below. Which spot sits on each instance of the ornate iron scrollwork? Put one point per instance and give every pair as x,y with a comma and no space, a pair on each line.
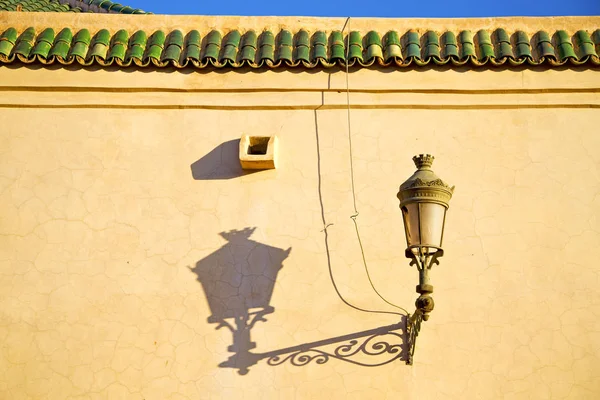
413,328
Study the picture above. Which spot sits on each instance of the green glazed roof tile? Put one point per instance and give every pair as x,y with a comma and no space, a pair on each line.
585,45
319,45
392,49
62,44
565,47
467,46
432,46
486,51
102,37
596,37
139,38
118,45
193,44
175,39
25,43
412,47
7,41
231,46
373,47
248,47
544,45
522,46
503,47
502,36
93,6
213,46
137,47
43,43
81,43
337,47
99,45
450,46
284,49
355,48
154,48
285,45
267,47
302,48
173,47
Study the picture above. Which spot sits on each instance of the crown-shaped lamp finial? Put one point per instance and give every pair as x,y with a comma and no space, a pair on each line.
423,161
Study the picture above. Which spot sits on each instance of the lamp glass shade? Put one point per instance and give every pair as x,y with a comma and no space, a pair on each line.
424,226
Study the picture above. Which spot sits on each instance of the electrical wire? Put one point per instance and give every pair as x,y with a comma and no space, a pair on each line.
356,213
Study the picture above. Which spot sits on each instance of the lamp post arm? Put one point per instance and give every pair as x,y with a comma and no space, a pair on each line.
413,329
424,304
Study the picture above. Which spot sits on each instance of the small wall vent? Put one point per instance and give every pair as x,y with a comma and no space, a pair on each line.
258,152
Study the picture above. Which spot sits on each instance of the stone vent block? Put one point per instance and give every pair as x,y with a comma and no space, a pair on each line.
258,152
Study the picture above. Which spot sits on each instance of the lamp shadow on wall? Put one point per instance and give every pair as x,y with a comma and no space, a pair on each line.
221,163
238,281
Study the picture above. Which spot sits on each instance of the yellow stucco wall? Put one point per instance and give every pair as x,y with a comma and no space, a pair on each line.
124,212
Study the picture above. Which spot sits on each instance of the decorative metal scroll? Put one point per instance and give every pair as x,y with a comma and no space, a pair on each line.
385,351
413,328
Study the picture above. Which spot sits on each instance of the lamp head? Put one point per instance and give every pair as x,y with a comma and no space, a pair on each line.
424,199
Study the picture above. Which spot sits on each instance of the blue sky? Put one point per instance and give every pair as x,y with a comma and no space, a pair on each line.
369,8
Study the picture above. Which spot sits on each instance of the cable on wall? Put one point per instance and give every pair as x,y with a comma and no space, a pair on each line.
356,213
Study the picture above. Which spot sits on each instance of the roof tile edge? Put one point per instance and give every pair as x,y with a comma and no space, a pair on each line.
210,42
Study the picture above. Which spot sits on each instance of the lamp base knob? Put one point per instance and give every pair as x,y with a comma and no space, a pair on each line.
425,304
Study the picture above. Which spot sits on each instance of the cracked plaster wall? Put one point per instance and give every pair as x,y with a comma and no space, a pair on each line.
102,223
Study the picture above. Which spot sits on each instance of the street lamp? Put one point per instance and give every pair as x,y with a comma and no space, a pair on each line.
424,199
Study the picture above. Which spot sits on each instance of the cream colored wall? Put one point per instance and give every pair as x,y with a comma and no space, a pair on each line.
115,186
